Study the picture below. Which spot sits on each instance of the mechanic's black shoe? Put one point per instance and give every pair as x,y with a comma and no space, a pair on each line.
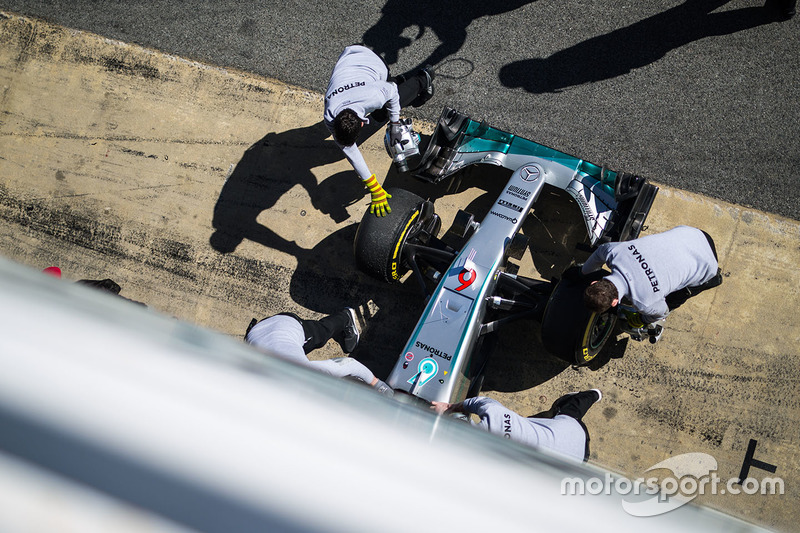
575,404
583,400
351,334
427,90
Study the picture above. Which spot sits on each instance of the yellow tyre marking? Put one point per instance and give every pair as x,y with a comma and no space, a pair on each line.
585,343
395,273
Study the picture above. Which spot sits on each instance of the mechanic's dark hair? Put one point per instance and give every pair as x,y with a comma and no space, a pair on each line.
346,126
599,296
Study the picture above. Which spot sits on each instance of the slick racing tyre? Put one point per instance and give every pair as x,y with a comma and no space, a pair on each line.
569,330
379,241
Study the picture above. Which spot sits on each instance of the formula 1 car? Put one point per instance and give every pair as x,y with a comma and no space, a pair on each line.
475,289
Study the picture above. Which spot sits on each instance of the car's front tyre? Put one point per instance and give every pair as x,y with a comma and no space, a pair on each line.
379,241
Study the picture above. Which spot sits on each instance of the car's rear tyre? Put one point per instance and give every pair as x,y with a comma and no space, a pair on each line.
569,330
379,241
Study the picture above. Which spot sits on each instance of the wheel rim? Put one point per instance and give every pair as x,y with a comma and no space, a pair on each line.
601,329
429,225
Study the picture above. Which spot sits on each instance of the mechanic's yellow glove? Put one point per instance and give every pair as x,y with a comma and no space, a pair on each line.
380,198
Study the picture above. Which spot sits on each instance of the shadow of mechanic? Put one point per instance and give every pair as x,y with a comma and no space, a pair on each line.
619,52
448,19
268,170
327,278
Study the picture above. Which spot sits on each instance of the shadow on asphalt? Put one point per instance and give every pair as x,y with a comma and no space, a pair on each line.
447,19
640,44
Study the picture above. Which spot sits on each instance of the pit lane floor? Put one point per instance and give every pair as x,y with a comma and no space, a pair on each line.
215,196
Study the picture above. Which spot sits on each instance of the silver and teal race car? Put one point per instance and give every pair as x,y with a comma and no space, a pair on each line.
473,289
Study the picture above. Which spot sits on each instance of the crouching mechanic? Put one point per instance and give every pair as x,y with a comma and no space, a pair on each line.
290,337
360,86
653,275
560,429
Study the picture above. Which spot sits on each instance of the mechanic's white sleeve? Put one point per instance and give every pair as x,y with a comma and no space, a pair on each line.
343,367
486,407
389,90
597,259
353,154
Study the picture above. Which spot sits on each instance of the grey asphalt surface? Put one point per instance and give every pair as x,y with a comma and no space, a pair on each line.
701,95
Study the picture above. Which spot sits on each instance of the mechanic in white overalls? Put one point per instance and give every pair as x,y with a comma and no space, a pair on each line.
654,274
560,429
359,91
290,337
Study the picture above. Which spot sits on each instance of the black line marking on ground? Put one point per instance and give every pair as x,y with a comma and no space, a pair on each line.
749,461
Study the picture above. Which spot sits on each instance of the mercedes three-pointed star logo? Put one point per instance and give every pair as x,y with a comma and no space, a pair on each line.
531,173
